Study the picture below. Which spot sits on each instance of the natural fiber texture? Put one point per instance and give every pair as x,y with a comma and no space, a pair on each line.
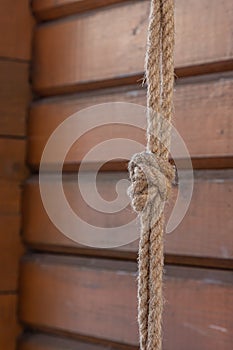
151,174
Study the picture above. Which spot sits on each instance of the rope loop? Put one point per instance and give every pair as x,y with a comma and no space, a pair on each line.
151,179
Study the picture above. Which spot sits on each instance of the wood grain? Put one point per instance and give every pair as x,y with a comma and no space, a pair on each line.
50,9
205,231
12,159
73,68
10,197
11,251
15,51
9,328
14,97
48,342
203,117
16,27
83,55
97,298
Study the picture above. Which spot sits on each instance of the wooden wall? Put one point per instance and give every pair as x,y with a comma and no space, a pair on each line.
74,297
15,49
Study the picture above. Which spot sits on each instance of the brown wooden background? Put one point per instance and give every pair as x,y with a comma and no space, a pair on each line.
15,51
87,52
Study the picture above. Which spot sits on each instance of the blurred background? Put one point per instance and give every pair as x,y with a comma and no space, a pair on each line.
56,58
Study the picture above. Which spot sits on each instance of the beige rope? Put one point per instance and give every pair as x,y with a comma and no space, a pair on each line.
151,174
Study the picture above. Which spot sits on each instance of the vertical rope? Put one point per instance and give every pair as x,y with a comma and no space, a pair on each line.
151,174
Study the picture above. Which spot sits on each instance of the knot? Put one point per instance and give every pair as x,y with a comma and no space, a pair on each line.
151,179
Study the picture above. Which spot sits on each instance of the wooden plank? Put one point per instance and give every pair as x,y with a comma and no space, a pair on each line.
11,251
35,219
50,9
76,70
12,159
14,97
195,308
97,298
102,297
10,197
16,25
9,328
207,131
205,232
85,56
48,342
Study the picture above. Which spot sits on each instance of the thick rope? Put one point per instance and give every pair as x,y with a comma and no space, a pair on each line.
151,173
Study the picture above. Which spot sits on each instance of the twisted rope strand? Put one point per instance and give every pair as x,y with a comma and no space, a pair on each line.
151,174
168,34
156,237
152,67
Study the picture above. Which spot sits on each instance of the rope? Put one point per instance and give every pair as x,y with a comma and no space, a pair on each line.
151,173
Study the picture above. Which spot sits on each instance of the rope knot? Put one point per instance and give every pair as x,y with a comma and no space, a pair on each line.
151,177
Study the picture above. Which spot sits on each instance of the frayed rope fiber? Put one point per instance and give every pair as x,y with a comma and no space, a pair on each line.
151,173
